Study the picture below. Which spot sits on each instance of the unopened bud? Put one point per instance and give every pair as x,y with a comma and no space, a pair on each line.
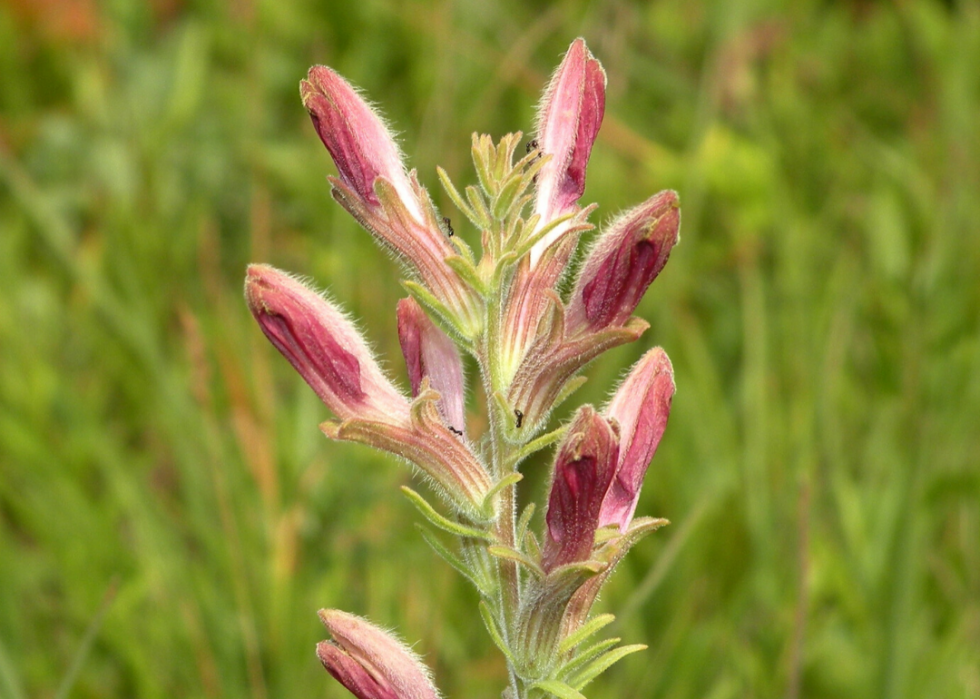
358,140
584,468
375,189
641,406
370,662
323,346
569,118
429,352
622,263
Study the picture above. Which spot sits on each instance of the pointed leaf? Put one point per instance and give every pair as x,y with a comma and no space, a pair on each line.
587,629
467,273
455,561
458,200
558,689
423,506
438,312
524,522
535,445
514,555
603,663
479,207
504,482
585,656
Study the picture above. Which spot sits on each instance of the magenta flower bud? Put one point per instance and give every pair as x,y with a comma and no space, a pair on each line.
569,118
370,662
358,140
641,406
584,468
622,263
429,352
323,346
329,353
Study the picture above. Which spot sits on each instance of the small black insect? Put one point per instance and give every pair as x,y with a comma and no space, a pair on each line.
449,226
455,431
531,145
520,417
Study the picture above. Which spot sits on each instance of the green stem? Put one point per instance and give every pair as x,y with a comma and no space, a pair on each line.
503,463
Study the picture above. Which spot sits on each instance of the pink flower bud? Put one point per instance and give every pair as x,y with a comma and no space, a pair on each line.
370,662
622,263
569,117
640,405
584,468
323,346
358,140
429,352
375,189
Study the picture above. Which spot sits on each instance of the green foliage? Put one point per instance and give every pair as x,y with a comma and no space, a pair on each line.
170,516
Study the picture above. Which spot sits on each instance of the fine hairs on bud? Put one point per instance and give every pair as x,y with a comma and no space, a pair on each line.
529,335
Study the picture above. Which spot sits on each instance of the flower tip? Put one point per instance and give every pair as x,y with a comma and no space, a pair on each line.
671,218
660,364
325,651
258,281
319,79
577,55
327,617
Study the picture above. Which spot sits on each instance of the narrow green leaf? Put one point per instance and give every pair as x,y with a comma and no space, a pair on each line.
524,523
535,445
536,235
476,201
462,248
451,190
586,656
505,265
455,561
438,312
603,663
587,629
423,506
515,555
504,482
508,194
483,152
467,272
558,689
532,546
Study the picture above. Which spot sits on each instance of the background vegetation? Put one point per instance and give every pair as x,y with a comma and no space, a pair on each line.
170,516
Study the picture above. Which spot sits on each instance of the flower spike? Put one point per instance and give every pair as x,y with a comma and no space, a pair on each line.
530,320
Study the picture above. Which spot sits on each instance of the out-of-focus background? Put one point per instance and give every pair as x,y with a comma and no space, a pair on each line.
170,516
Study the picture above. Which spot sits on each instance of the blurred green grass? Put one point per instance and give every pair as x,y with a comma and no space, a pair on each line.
159,461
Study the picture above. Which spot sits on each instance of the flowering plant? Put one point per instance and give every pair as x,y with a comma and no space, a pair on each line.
530,343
